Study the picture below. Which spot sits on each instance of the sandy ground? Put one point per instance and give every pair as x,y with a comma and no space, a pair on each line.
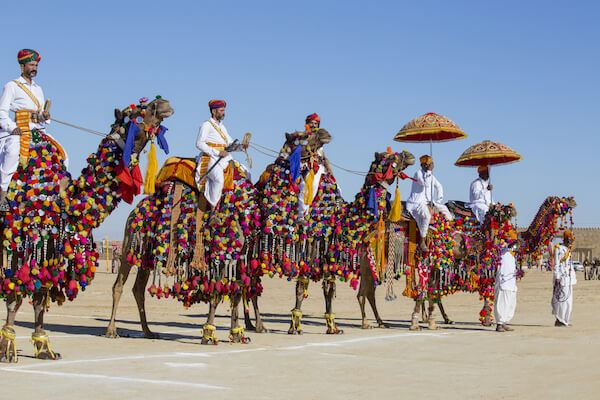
464,360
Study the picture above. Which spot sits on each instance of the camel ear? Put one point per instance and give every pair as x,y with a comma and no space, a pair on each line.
377,156
118,115
289,137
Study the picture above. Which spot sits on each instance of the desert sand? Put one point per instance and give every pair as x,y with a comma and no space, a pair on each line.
463,360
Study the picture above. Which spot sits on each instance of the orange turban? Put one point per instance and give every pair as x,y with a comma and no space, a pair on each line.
568,234
482,169
425,159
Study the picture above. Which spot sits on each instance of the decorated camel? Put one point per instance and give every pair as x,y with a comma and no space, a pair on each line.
465,257
47,232
200,255
322,243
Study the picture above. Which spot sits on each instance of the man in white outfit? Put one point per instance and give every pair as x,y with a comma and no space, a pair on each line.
480,194
21,95
506,287
564,279
421,198
212,140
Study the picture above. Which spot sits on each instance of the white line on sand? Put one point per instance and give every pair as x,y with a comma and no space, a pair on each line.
115,378
185,365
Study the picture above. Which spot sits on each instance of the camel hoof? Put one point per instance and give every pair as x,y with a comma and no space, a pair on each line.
335,332
46,355
414,328
383,325
209,341
433,327
486,324
250,327
112,334
449,322
151,335
293,331
261,329
366,325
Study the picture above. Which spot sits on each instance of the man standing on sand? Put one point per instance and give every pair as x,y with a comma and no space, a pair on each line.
564,279
505,291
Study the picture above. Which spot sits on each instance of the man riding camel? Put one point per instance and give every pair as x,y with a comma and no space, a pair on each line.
213,159
26,99
421,198
480,194
312,125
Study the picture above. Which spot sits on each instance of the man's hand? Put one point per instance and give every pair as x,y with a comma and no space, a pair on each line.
490,187
430,166
556,282
45,115
17,132
223,153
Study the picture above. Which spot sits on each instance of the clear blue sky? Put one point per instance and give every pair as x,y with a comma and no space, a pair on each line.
522,73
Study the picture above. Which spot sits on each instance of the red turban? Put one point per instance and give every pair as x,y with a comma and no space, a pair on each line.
482,169
313,117
26,55
425,159
216,104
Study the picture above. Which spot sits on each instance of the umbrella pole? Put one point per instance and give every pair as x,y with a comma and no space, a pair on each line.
431,155
490,182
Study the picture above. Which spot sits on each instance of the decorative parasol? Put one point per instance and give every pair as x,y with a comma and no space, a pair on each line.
487,153
430,127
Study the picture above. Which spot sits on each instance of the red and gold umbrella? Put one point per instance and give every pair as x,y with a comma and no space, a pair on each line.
487,153
430,127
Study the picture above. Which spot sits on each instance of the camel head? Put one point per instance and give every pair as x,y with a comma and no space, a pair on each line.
500,213
387,167
311,142
148,118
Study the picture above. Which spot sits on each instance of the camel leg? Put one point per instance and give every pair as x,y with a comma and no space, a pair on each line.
139,292
39,336
371,298
487,320
301,288
247,320
208,330
431,325
443,312
366,285
236,334
122,275
8,351
260,327
329,294
414,324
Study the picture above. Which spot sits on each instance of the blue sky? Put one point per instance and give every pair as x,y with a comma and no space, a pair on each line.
521,73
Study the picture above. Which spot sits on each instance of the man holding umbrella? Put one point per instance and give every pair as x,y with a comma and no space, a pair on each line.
480,196
421,198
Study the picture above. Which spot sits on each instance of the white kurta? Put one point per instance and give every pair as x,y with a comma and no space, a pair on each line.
302,206
562,297
421,196
215,178
480,199
14,99
506,288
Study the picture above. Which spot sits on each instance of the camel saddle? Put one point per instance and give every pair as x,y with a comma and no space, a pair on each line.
459,209
178,169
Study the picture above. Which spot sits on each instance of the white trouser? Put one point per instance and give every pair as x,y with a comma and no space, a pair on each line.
479,209
302,207
504,305
420,212
562,303
10,148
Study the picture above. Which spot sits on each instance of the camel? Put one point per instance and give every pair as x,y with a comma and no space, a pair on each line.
166,234
313,246
47,232
469,250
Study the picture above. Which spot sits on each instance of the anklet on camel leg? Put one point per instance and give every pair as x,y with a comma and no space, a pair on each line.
40,342
208,334
8,333
239,331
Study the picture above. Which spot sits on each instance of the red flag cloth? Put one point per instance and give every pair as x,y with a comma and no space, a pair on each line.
131,181
404,176
389,174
